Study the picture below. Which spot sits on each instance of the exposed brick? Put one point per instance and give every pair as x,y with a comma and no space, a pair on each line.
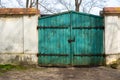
111,10
18,11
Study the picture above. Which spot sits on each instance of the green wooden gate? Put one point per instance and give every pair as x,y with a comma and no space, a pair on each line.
71,38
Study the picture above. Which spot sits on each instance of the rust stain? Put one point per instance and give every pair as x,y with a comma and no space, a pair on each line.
19,11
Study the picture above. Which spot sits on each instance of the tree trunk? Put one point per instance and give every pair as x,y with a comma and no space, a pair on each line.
31,3
37,4
77,5
27,3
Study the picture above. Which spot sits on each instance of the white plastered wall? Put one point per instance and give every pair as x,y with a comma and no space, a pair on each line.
112,38
18,39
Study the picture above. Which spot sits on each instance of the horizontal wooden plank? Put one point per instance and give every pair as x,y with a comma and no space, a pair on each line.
52,55
90,55
88,28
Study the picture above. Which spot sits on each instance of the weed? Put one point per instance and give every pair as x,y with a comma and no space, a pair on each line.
7,67
115,64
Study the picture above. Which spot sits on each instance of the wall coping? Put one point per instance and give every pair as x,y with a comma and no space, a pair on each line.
19,11
111,11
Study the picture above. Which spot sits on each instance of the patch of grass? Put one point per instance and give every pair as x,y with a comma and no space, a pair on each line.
7,67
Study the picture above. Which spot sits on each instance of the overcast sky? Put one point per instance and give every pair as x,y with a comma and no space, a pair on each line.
112,3
13,3
109,3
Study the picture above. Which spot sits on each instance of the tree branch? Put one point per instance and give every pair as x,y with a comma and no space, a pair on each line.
64,4
46,8
20,2
27,3
77,5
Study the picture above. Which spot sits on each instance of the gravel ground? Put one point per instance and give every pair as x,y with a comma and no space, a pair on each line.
71,73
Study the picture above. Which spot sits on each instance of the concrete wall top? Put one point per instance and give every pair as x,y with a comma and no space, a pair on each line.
19,11
111,11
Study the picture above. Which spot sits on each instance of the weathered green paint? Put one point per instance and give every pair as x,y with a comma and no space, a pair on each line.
85,32
54,41
87,41
58,20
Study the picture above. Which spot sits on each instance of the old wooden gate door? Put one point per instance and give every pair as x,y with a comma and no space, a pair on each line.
71,38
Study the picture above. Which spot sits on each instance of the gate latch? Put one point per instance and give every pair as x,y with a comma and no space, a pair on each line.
71,40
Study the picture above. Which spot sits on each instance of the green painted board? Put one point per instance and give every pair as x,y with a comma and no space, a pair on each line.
53,42
71,38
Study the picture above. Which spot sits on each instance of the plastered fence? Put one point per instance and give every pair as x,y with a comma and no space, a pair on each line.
112,34
19,36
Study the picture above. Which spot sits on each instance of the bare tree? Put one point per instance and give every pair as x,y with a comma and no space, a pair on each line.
37,4
64,3
83,5
20,3
32,3
46,6
1,6
88,5
27,3
8,3
46,9
77,5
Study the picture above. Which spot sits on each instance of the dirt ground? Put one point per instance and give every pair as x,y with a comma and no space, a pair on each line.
70,73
